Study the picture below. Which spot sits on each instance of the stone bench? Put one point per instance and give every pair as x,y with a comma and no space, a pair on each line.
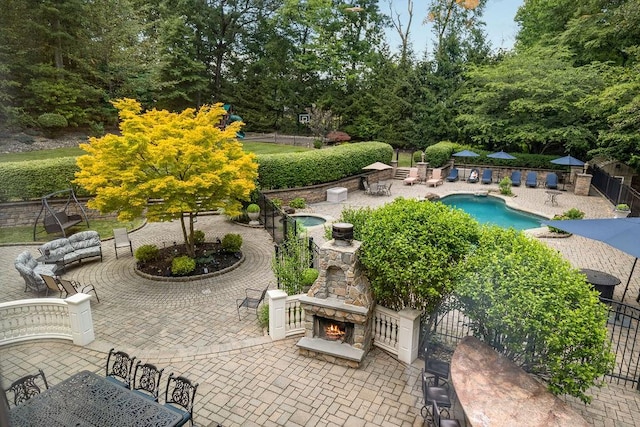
337,194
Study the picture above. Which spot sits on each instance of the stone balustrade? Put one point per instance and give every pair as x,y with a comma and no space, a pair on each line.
47,318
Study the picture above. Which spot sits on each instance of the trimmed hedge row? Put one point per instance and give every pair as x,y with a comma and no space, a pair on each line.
439,154
278,171
33,179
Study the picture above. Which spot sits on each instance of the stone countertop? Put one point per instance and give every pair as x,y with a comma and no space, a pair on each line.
494,392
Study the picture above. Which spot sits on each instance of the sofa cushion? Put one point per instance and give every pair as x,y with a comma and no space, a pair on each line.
88,252
26,259
57,247
85,239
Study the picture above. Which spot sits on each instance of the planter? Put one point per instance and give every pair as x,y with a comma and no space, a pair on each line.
253,216
620,214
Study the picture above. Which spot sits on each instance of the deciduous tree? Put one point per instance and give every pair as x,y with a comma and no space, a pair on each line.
171,165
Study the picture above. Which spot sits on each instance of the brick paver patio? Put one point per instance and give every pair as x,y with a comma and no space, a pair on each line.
246,379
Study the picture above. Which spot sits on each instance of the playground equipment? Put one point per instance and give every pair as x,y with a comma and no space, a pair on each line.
230,118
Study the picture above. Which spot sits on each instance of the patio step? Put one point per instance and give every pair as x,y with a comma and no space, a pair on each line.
401,173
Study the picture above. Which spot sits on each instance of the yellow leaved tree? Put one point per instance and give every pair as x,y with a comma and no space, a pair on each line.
171,165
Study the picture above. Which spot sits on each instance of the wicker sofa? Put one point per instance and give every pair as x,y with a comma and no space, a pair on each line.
85,244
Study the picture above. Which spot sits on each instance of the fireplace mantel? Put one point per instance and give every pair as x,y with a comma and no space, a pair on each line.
335,304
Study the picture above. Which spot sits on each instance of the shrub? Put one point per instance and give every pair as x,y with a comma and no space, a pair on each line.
146,253
317,144
439,154
411,252
231,242
355,217
527,302
198,237
309,275
622,207
182,265
505,186
52,121
290,262
263,316
572,213
298,203
253,208
277,202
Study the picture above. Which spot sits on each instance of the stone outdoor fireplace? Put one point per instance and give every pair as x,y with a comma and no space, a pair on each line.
339,306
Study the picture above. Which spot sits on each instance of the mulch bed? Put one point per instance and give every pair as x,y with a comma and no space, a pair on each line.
209,258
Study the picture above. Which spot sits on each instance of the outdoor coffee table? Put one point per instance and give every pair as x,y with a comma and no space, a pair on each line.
604,283
552,197
88,399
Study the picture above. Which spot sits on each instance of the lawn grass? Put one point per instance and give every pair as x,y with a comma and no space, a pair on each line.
104,227
251,146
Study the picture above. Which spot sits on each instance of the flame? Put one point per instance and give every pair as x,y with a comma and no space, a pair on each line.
333,331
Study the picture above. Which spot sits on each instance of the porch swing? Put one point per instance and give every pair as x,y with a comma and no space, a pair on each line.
58,221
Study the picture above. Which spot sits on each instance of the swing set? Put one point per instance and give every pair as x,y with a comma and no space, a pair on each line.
58,221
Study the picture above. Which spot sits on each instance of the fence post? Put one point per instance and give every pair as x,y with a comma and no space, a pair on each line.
408,335
80,319
277,305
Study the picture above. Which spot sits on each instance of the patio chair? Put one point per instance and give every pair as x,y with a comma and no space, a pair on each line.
146,380
118,368
72,287
438,421
436,177
487,176
551,182
121,240
412,178
532,179
431,394
453,175
183,393
26,387
52,285
387,189
367,188
473,176
436,371
252,299
516,178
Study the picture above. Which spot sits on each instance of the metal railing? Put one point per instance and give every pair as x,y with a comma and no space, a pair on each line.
615,190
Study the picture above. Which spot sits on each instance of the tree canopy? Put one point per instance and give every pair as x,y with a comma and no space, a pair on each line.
168,166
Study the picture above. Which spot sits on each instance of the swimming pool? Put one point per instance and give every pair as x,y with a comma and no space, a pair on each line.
309,220
491,210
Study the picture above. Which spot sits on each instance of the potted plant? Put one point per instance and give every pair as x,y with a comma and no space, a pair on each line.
253,212
621,211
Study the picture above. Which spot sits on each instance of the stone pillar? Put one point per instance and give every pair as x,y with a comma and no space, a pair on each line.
422,171
277,304
583,183
573,173
80,318
408,335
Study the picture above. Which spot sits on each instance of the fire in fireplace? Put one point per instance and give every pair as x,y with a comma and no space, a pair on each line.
333,330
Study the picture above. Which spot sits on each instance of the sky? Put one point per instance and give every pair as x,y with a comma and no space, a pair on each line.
498,16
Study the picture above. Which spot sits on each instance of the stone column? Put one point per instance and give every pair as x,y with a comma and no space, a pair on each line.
408,335
422,171
583,183
277,304
80,318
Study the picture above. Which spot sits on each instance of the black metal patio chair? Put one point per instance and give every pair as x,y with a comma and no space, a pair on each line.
146,379
180,391
118,368
26,387
252,299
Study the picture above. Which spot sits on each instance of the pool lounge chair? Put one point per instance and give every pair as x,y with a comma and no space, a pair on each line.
532,179
487,176
473,176
436,177
551,181
453,175
412,178
516,178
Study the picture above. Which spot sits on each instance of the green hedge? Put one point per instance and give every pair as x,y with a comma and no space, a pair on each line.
319,166
33,179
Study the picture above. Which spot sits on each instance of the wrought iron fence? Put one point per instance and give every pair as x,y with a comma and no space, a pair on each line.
451,325
615,190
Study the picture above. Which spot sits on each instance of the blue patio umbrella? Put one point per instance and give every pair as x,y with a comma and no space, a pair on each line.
621,233
465,154
567,161
501,155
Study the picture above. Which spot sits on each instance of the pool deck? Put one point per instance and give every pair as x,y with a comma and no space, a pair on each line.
245,378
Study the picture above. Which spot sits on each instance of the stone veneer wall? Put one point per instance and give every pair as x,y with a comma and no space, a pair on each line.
18,214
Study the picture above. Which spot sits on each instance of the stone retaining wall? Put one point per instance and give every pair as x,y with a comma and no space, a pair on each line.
18,214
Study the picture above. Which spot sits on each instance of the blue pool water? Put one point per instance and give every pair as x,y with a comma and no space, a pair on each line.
309,220
491,210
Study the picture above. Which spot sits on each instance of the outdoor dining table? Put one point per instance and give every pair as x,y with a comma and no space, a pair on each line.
88,399
603,282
